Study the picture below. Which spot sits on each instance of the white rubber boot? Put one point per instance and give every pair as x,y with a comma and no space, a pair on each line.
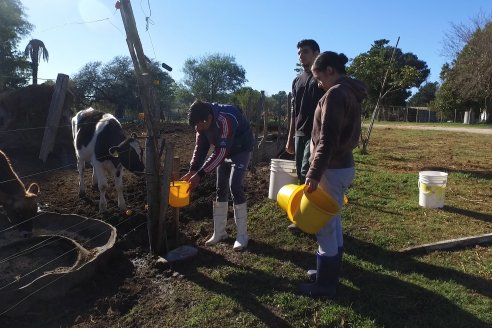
220,221
240,215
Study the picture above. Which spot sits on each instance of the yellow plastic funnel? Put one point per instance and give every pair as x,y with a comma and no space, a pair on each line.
289,198
179,194
315,210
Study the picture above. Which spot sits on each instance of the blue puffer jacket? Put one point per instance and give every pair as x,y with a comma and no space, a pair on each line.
229,133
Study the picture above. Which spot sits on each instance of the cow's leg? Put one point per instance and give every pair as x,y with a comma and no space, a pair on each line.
80,168
102,183
94,180
118,184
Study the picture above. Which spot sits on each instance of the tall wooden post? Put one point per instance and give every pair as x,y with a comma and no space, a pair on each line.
151,110
175,177
265,114
54,115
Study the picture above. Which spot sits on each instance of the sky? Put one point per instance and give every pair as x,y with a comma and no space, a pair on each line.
260,34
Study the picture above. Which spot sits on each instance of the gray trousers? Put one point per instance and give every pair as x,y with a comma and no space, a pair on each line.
336,182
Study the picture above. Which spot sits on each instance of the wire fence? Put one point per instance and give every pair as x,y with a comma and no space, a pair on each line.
131,198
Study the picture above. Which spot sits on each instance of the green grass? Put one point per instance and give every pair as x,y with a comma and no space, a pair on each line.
380,285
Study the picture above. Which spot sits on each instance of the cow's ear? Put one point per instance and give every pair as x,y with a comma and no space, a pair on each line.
134,135
33,188
114,151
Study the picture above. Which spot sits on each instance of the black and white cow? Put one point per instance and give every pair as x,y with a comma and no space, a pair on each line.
99,139
20,204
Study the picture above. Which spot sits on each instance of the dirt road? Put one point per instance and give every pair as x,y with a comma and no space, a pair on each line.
437,128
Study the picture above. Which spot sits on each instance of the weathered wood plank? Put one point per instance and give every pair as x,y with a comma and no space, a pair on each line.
450,244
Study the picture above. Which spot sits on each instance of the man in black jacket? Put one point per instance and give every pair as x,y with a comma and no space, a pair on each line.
305,97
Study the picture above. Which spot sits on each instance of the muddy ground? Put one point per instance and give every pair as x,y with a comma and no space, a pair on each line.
130,270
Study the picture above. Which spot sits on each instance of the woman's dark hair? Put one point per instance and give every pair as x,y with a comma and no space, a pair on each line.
198,111
332,59
313,45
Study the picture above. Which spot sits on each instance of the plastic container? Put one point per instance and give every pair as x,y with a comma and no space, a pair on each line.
315,210
289,198
432,185
282,172
179,193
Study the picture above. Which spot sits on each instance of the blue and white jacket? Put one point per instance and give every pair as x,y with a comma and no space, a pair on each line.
229,133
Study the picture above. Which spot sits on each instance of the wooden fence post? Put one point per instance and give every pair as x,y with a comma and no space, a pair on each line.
54,115
155,191
175,177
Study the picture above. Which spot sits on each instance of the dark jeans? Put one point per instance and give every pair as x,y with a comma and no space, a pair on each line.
302,157
230,176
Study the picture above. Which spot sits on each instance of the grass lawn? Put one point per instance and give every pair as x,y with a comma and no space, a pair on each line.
380,285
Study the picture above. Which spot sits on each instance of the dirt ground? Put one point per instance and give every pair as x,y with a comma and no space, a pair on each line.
130,270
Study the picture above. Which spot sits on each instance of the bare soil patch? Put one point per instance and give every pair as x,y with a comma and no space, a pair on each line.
130,272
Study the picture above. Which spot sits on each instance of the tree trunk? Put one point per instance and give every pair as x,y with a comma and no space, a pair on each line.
34,67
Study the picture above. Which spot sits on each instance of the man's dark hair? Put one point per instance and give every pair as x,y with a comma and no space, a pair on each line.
313,45
198,112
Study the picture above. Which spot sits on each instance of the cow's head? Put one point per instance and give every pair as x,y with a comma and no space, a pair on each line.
22,208
131,154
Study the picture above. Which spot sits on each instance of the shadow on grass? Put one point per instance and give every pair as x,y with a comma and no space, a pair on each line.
472,214
485,175
243,287
395,298
389,301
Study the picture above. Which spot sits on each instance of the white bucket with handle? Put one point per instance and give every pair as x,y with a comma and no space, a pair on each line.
432,185
282,172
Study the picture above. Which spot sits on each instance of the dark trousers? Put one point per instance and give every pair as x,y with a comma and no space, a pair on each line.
230,177
303,153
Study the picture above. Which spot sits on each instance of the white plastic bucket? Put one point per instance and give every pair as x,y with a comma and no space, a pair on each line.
282,172
432,185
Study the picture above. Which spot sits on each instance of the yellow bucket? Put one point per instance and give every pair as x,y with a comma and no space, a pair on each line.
289,198
315,210
179,194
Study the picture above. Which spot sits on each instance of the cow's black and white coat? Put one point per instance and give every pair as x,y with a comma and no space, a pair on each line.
99,139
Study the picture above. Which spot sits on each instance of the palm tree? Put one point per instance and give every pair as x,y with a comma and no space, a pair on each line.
35,49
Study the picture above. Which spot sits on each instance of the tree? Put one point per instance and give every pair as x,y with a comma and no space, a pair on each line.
467,81
280,108
183,98
449,102
473,68
425,95
214,77
36,49
13,26
460,34
114,85
405,72
84,84
247,99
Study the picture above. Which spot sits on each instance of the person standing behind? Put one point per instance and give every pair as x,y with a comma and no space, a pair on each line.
228,130
305,97
336,131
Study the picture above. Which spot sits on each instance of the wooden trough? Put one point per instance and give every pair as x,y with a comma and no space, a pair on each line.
65,249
